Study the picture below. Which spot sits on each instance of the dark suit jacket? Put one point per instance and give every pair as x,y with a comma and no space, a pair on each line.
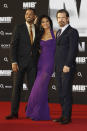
21,49
66,48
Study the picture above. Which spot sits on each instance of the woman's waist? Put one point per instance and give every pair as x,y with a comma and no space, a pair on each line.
47,52
49,55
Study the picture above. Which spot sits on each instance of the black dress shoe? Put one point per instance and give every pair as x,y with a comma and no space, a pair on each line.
12,117
65,121
29,118
59,119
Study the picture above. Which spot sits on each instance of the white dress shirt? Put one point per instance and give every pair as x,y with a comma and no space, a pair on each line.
63,28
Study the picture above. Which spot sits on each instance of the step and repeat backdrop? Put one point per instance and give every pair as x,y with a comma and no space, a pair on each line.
12,13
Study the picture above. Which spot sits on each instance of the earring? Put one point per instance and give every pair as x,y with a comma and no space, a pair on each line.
41,28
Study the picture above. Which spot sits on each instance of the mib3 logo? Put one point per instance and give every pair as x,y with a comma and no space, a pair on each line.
81,47
81,60
79,88
27,5
6,19
5,72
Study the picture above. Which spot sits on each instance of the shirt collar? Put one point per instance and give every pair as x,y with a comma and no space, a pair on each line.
63,28
28,25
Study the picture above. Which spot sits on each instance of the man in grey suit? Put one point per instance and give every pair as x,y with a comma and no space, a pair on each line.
24,53
66,52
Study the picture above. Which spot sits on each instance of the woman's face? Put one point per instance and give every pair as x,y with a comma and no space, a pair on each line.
45,23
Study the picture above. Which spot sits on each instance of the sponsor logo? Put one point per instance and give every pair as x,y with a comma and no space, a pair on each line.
5,59
27,5
53,87
79,74
6,86
5,5
2,33
1,86
25,87
53,75
5,46
8,33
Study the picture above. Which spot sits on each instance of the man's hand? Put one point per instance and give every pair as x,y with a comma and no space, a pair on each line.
66,69
15,67
36,19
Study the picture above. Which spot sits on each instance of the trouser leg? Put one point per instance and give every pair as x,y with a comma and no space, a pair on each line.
17,87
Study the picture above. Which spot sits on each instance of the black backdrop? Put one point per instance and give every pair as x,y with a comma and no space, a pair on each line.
11,13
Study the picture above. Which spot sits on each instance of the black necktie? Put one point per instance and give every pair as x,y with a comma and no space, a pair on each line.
58,33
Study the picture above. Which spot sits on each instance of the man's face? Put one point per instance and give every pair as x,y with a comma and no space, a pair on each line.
30,16
62,19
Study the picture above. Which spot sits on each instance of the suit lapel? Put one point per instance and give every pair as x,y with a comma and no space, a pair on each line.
64,32
27,33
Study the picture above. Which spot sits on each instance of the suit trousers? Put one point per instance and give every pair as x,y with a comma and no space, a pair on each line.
64,85
18,79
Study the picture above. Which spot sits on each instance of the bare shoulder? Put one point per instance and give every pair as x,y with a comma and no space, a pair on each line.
55,33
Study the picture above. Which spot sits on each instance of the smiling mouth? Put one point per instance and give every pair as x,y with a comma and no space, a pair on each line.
28,18
61,22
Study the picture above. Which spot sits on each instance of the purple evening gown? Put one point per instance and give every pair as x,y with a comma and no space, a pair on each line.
37,107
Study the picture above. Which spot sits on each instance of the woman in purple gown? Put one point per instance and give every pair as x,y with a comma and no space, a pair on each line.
37,107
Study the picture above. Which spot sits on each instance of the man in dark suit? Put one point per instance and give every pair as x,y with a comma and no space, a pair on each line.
66,51
24,54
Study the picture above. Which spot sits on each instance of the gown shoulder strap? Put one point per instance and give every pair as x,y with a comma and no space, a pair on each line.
52,33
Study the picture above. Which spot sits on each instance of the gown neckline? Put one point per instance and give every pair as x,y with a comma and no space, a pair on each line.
46,40
51,38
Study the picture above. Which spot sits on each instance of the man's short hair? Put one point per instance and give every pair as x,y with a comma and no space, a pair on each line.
31,9
63,11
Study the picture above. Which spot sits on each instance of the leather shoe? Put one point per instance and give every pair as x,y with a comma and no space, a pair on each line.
59,119
12,117
65,121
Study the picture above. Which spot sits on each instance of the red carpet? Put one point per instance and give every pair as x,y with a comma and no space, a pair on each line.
79,119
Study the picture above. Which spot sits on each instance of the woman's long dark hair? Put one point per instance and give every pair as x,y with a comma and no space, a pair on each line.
40,29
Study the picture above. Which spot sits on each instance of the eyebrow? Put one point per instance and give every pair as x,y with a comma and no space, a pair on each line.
62,17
